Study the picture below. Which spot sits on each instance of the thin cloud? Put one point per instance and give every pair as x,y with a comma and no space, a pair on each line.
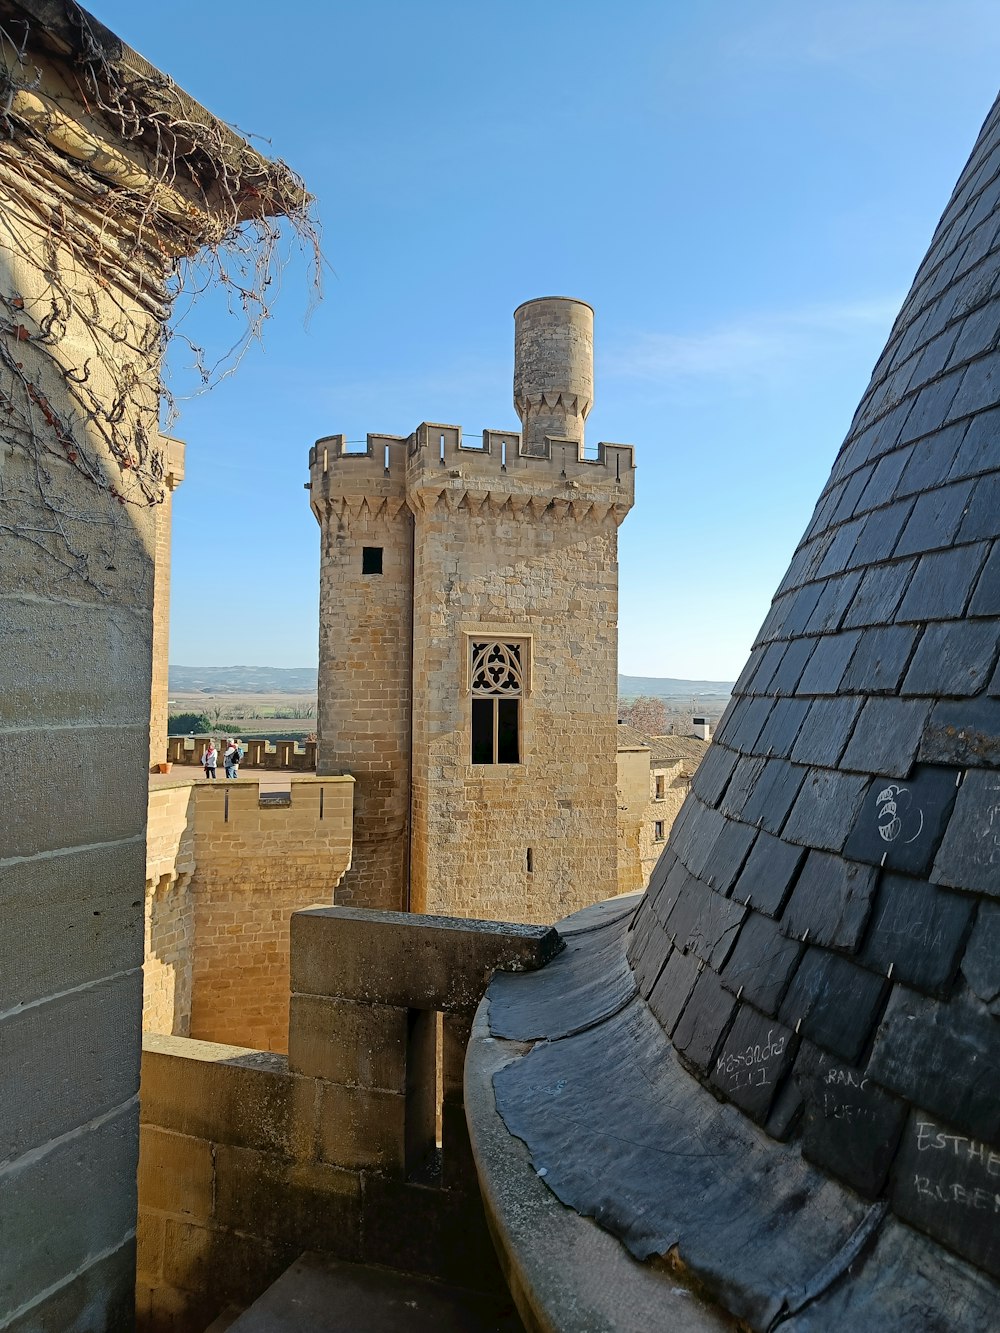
754,347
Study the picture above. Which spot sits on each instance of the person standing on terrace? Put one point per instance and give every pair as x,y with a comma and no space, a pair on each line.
210,759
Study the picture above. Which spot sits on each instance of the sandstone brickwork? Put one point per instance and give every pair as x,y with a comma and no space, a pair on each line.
173,476
169,910
98,209
363,708
225,871
513,538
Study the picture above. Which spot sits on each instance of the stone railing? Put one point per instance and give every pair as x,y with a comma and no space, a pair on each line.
297,755
352,1145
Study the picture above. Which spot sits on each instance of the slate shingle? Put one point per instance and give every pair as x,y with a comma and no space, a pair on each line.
773,794
880,659
828,662
761,963
943,1057
969,856
790,669
965,731
879,537
982,518
782,726
977,452
823,738
931,459
981,960
900,824
879,595
727,854
835,1003
935,519
851,1127
705,1018
887,736
754,1059
919,931
670,994
836,596
825,809
953,659
941,584
986,598
714,772
831,901
768,876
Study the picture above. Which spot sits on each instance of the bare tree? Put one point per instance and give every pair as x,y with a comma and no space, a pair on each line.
647,714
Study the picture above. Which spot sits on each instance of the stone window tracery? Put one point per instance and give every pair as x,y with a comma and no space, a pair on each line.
496,676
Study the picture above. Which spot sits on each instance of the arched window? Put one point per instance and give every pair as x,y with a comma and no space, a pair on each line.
497,686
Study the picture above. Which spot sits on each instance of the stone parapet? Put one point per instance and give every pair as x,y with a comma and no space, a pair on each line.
247,1158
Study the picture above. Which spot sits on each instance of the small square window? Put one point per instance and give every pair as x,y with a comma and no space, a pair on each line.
658,834
371,560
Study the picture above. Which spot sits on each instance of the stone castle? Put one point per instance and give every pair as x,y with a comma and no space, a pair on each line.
468,645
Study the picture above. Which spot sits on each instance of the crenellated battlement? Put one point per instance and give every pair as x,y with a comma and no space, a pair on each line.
435,460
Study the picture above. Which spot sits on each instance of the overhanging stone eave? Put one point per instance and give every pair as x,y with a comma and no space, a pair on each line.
270,188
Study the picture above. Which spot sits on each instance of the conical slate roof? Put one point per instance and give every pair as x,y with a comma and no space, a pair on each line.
821,936
783,1067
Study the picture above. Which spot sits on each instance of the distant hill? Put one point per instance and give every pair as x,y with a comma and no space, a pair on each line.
302,680
665,687
242,680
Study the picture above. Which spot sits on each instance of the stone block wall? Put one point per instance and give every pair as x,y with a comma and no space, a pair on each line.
548,577
169,910
173,467
256,865
633,802
248,1158
224,874
664,809
363,705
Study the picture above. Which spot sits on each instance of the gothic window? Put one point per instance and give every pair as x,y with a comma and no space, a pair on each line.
497,681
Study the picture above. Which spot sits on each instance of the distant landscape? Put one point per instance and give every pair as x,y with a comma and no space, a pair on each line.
666,687
280,702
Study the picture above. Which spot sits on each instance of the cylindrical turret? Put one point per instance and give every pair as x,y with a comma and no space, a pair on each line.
553,369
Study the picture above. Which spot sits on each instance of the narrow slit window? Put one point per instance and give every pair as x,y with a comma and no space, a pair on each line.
660,786
497,674
658,834
371,560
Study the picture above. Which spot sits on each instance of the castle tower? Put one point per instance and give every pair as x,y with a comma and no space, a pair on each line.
553,370
363,705
471,685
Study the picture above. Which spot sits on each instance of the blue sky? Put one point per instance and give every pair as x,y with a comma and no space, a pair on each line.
742,191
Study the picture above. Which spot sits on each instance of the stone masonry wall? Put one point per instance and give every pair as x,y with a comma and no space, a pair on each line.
169,910
219,894
248,1158
661,810
490,569
633,803
256,865
363,706
159,688
76,577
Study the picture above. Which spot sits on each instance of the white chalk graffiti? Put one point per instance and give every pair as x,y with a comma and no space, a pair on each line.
893,805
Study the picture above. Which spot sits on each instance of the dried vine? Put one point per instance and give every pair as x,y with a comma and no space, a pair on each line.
118,195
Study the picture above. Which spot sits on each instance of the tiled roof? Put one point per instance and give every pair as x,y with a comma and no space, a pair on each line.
630,739
674,749
827,910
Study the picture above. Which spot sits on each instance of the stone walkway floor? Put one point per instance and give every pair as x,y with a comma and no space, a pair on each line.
320,1295
270,779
